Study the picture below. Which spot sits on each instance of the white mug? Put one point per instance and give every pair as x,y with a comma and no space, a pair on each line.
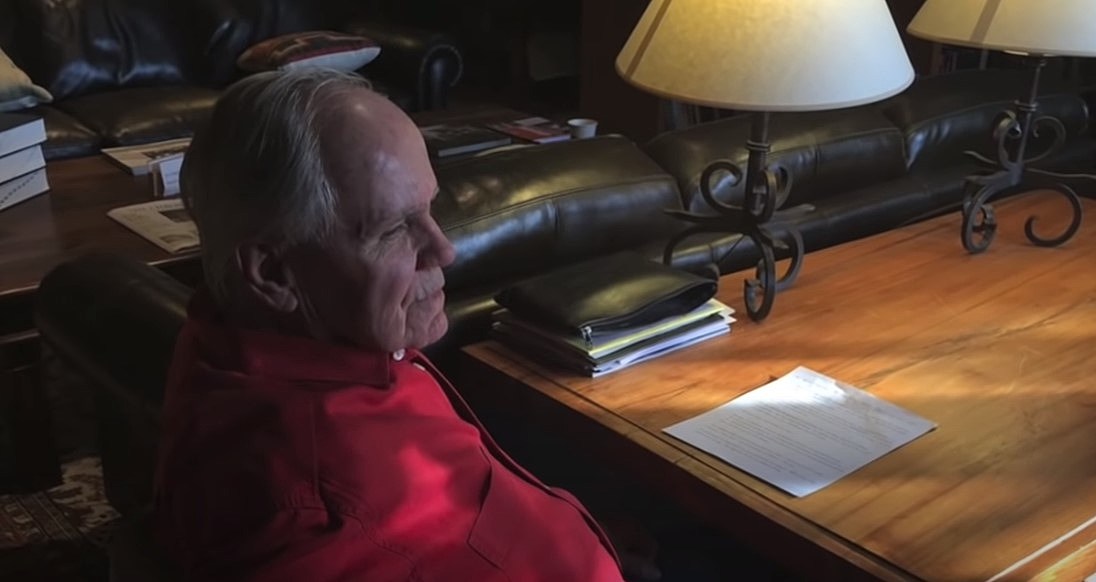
582,128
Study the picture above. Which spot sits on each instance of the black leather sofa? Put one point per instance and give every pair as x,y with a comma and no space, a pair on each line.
132,71
518,212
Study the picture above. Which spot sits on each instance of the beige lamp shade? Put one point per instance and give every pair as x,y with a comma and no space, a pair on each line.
1038,27
767,55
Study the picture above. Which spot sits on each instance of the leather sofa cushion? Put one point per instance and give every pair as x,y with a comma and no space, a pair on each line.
944,115
74,47
65,136
825,152
521,211
144,114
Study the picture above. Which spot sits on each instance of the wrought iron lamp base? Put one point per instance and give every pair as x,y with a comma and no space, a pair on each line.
1012,175
766,189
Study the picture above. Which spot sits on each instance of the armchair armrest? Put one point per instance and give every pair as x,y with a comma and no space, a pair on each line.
115,320
426,62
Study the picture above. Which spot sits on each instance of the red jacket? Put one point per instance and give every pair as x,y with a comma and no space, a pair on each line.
287,459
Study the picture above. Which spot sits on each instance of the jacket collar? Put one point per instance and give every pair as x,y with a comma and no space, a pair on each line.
275,355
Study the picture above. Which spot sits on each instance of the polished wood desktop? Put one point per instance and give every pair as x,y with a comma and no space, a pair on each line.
66,222
999,349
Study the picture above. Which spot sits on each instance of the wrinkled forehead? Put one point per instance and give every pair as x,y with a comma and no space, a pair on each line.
375,158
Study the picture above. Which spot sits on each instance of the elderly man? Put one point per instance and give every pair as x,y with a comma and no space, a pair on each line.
305,437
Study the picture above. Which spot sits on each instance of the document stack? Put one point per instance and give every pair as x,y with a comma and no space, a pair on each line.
22,165
609,313
602,352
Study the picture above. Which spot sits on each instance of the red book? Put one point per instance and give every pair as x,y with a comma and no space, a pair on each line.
533,129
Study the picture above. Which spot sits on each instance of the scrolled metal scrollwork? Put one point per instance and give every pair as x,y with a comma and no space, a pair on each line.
1013,174
979,219
1071,229
1053,124
749,219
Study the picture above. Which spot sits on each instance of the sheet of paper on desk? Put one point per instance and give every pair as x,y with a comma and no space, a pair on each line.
803,431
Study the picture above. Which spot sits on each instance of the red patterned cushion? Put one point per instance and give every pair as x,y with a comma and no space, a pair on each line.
333,50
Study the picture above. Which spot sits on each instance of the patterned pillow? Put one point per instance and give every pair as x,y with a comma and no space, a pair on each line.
333,50
17,91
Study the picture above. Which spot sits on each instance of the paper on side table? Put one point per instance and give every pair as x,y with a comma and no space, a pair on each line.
802,431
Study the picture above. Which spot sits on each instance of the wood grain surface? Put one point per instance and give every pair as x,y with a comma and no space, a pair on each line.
71,219
999,349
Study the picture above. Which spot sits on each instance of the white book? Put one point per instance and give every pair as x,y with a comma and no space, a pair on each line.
138,159
19,131
165,223
21,162
23,188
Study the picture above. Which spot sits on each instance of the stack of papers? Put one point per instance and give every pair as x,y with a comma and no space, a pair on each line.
607,352
165,223
802,431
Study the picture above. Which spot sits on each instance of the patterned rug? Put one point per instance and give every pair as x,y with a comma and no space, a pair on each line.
60,534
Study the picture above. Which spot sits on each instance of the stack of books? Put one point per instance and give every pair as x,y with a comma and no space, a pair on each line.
601,353
444,141
22,165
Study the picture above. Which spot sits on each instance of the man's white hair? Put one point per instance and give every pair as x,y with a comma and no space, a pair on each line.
256,169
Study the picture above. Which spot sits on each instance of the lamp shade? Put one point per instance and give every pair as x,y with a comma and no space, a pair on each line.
1038,27
767,55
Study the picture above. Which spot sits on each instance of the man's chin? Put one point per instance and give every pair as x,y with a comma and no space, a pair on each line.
434,331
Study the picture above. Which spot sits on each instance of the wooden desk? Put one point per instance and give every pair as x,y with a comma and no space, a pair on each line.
999,349
64,223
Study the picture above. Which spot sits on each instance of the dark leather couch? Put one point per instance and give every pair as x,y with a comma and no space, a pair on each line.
132,71
518,212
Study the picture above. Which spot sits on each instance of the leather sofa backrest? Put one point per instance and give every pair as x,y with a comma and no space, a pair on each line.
239,24
944,115
74,47
522,211
826,153
9,24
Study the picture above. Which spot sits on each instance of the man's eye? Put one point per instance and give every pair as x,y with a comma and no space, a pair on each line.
395,230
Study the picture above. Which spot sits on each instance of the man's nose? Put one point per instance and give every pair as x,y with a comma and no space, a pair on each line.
438,247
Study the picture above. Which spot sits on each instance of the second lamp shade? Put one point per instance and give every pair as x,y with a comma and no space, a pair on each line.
767,55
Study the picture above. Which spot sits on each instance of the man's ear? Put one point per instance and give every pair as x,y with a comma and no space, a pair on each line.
266,274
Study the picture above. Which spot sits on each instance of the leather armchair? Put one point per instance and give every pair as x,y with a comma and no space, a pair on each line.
115,321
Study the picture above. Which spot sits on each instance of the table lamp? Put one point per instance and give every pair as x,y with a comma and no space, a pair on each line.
763,56
1035,28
